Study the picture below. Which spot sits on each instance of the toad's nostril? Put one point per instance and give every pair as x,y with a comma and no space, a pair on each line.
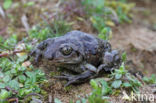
48,56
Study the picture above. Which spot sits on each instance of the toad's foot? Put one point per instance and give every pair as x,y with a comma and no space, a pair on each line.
104,67
72,79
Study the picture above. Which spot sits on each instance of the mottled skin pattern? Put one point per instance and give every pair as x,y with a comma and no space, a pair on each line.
79,52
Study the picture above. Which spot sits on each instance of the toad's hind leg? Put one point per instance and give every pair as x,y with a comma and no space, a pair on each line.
77,78
89,73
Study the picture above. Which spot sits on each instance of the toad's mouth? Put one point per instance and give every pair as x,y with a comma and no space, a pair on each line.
61,61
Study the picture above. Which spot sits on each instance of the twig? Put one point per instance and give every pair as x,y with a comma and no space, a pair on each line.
10,89
140,79
24,21
50,99
13,100
2,12
10,53
33,94
139,9
115,17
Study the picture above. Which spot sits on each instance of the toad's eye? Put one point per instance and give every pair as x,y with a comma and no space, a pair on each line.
66,50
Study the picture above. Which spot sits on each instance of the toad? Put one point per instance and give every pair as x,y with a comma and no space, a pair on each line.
82,53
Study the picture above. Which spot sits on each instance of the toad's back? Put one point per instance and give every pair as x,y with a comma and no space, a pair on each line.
93,48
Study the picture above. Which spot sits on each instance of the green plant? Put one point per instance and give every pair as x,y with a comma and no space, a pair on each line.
16,78
40,33
105,34
60,26
122,9
7,4
100,90
122,78
55,29
106,13
99,93
56,100
150,80
30,3
9,43
19,78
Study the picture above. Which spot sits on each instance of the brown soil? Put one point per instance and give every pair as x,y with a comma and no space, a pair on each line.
140,45
138,39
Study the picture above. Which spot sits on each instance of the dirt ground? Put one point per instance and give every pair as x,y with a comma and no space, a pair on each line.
138,39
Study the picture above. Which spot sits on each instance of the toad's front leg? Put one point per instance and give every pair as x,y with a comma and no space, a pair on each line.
111,61
84,76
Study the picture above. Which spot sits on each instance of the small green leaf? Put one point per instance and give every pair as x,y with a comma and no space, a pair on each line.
2,85
21,92
126,84
13,84
22,58
105,33
105,87
29,74
94,84
116,92
124,56
57,100
7,4
150,80
6,78
32,77
118,76
122,69
4,94
14,71
1,75
30,3
146,79
78,101
22,78
116,83
83,100
27,91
